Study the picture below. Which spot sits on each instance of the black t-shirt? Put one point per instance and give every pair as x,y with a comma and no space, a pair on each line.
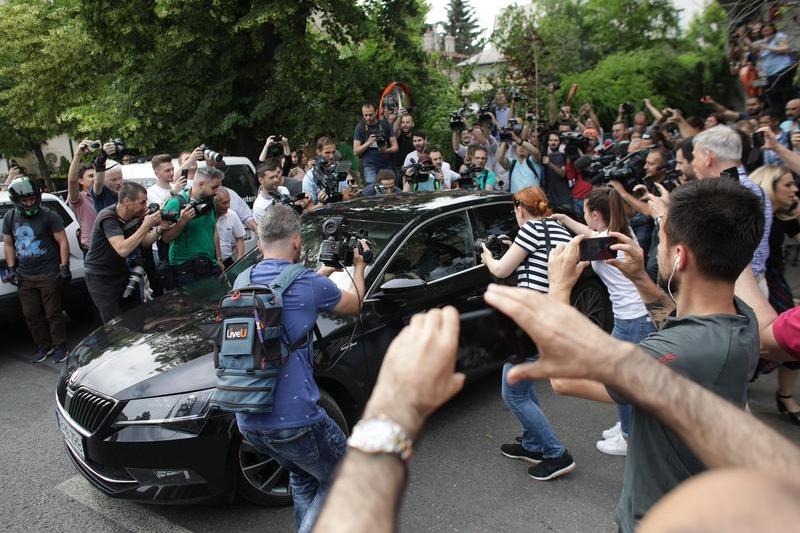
556,187
103,259
780,229
405,146
36,250
104,199
373,157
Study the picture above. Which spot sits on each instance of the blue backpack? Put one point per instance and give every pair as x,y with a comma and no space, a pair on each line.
253,344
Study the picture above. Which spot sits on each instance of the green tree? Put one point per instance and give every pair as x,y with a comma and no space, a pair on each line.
462,25
43,71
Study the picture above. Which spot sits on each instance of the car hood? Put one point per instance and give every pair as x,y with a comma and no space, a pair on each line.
161,347
158,348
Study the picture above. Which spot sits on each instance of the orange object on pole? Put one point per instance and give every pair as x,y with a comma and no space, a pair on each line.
388,90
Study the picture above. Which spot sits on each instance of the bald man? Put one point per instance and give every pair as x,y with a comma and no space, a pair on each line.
107,179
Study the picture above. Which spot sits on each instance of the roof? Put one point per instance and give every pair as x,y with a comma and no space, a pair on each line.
488,56
404,207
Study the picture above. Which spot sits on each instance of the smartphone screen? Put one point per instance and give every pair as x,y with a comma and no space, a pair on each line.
597,249
758,139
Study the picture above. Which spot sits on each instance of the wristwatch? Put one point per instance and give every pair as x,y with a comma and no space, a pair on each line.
380,435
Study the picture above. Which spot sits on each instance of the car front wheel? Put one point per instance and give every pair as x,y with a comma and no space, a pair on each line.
590,297
260,479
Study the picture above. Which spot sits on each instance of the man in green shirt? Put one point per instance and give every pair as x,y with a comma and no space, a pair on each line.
194,251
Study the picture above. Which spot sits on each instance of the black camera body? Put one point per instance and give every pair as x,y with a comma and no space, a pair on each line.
494,243
119,146
201,206
380,139
338,248
467,179
421,171
457,121
627,108
574,143
485,113
286,199
629,171
327,177
512,127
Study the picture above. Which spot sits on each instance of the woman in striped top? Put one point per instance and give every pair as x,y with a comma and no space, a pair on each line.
528,255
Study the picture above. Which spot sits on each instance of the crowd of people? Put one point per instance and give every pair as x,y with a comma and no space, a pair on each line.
698,207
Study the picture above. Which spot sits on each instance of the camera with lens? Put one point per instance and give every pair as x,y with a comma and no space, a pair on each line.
380,139
512,127
574,143
210,154
137,278
12,164
629,171
485,113
671,180
338,248
468,178
327,177
627,108
421,171
457,122
201,206
119,146
494,243
286,199
516,95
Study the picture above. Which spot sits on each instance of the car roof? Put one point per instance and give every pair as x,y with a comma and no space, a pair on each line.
4,197
144,171
404,207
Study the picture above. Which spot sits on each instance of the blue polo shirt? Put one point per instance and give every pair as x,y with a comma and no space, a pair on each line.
296,393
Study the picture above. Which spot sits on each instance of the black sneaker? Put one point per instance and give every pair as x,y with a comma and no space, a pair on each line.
516,451
41,354
59,353
552,468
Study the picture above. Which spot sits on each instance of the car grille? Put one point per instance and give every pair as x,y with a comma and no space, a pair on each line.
88,410
61,391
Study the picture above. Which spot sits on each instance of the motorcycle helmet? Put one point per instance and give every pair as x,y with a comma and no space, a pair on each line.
22,188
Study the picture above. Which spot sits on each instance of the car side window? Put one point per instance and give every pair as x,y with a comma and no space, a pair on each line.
437,249
60,211
242,180
495,219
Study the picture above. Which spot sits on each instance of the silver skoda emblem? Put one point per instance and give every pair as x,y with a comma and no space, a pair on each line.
73,379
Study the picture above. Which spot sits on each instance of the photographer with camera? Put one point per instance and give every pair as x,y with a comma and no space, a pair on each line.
556,186
322,183
420,142
373,142
79,181
107,181
297,423
270,176
405,139
474,174
36,251
386,184
538,235
193,242
120,233
441,169
422,176
521,159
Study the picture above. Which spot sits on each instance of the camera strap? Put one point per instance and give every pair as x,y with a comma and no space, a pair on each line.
547,243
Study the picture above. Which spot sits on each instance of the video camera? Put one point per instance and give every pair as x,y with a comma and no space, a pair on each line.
289,200
457,122
512,127
421,171
327,177
467,179
574,143
338,248
629,171
494,243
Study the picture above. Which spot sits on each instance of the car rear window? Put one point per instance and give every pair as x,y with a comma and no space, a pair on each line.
243,181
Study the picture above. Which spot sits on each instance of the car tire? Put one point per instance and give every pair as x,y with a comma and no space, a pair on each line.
590,297
260,479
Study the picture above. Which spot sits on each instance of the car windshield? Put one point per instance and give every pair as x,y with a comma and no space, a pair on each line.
379,235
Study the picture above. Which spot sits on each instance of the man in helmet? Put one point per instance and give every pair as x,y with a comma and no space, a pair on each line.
37,254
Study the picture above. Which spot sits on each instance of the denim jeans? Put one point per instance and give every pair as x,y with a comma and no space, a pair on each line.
310,454
632,330
537,434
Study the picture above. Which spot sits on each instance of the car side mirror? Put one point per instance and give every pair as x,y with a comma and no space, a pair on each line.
403,288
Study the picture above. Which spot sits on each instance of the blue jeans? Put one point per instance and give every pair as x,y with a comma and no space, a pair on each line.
632,330
537,434
310,454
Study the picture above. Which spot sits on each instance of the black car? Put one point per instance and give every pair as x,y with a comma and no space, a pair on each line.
133,402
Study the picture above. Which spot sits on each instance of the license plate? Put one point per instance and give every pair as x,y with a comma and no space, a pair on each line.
73,438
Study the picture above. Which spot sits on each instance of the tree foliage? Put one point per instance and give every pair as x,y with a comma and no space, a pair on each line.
462,25
167,75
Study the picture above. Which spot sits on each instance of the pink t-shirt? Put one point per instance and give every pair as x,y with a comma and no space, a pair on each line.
786,330
84,211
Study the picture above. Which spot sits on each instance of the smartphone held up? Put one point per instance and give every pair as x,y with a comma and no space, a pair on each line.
597,249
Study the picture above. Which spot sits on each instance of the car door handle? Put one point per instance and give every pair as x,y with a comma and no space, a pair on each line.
476,298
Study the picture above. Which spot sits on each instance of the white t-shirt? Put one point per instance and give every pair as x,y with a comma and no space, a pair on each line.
229,228
262,202
239,207
413,157
625,300
157,194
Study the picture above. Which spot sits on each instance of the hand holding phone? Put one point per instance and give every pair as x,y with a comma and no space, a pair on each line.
597,249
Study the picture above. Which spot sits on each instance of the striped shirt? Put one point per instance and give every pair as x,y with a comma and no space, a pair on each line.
532,272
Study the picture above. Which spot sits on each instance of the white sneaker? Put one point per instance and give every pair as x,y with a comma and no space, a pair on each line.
614,430
616,445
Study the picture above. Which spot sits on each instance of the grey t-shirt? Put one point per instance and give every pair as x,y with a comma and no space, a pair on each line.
102,259
37,252
716,352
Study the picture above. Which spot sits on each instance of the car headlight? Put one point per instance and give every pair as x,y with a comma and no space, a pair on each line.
166,410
